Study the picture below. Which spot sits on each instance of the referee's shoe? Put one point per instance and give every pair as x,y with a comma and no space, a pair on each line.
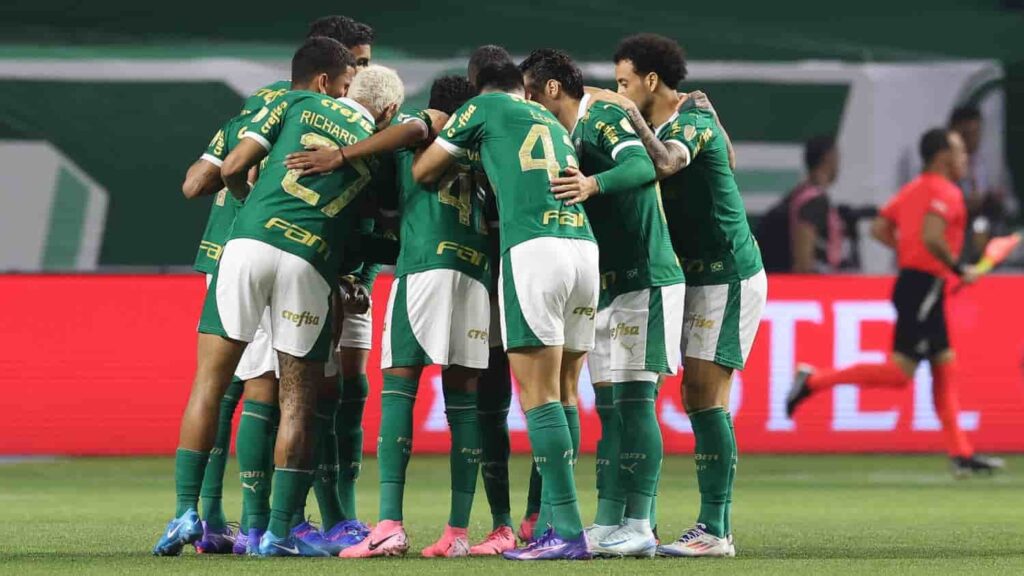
964,466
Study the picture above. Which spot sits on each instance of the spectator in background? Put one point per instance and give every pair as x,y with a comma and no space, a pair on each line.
988,206
816,230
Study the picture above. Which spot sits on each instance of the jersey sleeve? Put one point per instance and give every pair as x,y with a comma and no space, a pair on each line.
890,210
942,204
217,149
692,130
464,130
614,134
265,125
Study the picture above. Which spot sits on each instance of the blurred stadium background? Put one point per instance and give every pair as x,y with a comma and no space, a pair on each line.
103,105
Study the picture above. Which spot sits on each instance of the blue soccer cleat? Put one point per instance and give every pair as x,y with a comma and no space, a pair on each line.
552,547
252,542
180,532
344,535
216,541
271,545
241,544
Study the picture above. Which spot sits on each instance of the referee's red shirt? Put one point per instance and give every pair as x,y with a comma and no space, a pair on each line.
928,193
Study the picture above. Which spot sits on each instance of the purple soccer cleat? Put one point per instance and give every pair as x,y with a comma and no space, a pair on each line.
215,541
344,535
241,543
252,542
552,547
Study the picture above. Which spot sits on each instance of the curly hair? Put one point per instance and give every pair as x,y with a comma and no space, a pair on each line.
448,93
654,53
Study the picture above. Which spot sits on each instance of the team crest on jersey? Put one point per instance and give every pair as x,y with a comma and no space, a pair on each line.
689,131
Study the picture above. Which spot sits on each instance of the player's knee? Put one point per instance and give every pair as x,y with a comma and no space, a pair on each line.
352,361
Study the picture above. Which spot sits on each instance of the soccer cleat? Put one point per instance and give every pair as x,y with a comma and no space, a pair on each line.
241,544
180,532
527,527
308,533
696,542
732,546
344,535
252,542
598,532
551,547
216,541
977,464
387,538
290,545
799,391
627,541
499,541
454,543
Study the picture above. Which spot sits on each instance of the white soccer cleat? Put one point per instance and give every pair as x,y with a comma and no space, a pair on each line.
732,546
596,532
628,541
697,542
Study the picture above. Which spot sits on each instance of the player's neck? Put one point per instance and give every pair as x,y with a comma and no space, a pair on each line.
568,113
937,171
663,106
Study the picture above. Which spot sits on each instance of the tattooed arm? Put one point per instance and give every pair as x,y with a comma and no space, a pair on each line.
667,159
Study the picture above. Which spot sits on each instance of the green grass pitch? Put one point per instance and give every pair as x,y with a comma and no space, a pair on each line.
793,515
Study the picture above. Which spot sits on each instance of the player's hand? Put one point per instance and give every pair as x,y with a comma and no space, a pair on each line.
696,99
574,187
355,298
315,160
970,275
612,98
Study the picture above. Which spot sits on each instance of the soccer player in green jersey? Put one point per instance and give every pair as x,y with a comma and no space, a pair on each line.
549,278
281,254
727,287
640,311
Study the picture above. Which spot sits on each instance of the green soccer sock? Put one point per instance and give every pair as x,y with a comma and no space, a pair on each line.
572,419
212,492
641,450
533,496
494,396
290,490
713,454
464,458
189,467
553,452
348,426
732,476
255,446
395,443
611,502
325,482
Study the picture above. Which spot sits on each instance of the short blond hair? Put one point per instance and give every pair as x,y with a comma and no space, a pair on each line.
377,87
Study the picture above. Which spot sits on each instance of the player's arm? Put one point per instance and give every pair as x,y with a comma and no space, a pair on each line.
884,230
933,235
202,178
235,170
668,158
699,99
805,234
460,134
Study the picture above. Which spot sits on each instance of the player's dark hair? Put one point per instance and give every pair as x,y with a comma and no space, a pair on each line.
320,55
343,29
485,56
503,76
448,93
816,149
965,113
654,53
547,64
932,143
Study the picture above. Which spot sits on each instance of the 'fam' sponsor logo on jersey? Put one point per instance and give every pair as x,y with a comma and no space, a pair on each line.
563,218
299,234
474,257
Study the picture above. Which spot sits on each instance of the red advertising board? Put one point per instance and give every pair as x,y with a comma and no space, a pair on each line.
102,365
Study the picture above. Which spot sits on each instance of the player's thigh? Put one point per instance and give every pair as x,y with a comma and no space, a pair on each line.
720,321
300,311
599,360
239,291
581,306
536,281
645,328
259,357
262,388
469,338
419,319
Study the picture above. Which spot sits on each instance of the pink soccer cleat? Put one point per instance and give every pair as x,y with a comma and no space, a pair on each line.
501,540
527,527
454,543
386,539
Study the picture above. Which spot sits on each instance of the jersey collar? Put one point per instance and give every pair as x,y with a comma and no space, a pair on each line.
359,107
667,122
584,102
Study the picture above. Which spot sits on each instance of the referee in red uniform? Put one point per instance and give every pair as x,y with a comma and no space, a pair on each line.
924,223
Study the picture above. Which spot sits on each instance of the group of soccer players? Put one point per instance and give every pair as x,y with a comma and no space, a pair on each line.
535,224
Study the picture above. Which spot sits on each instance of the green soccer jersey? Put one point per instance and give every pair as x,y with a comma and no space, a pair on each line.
706,217
225,206
306,216
635,250
442,224
522,147
264,96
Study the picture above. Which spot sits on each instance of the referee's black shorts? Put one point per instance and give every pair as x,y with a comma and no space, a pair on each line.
920,303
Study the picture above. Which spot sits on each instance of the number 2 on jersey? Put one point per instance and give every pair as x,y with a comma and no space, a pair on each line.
547,162
291,185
